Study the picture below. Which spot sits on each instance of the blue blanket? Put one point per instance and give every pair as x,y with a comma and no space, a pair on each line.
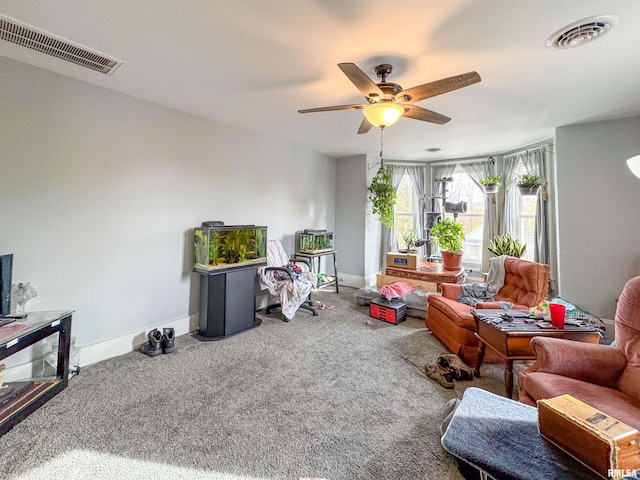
474,293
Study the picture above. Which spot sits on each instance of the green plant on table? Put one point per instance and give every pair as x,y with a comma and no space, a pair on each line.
448,235
411,239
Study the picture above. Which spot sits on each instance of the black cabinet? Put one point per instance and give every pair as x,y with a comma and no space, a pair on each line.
227,301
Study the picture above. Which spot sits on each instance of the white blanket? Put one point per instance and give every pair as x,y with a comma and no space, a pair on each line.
495,278
291,294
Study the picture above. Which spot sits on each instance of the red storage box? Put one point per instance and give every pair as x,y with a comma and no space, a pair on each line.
392,311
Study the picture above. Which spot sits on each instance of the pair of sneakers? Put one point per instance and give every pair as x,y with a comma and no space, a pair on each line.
158,343
448,367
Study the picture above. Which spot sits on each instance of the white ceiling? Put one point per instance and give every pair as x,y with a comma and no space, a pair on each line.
253,63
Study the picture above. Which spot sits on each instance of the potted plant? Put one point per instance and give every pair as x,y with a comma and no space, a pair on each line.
383,196
507,245
412,241
448,235
529,183
491,184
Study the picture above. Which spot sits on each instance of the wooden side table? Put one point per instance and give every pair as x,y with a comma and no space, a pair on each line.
510,339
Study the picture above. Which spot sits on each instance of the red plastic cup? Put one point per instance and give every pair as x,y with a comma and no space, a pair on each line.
557,312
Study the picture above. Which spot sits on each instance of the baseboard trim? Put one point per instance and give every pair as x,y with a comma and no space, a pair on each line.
115,347
97,352
354,281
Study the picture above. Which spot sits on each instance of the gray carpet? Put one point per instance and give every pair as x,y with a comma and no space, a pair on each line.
328,396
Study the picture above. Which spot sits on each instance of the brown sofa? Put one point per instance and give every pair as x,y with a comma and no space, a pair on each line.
525,285
603,376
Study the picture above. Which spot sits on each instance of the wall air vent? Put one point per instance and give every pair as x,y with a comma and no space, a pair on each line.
581,32
27,36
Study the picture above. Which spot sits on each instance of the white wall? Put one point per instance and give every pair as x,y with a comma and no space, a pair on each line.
351,201
100,193
598,212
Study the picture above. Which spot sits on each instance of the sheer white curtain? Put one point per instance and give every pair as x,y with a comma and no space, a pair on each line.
438,172
477,171
535,162
388,240
508,223
417,177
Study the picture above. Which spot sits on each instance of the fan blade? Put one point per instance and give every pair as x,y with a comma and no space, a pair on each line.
330,109
365,126
419,113
427,90
361,80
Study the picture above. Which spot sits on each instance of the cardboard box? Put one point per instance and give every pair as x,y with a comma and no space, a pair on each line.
602,443
402,260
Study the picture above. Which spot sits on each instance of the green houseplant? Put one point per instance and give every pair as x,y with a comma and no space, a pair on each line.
507,245
412,241
383,196
448,235
491,184
529,183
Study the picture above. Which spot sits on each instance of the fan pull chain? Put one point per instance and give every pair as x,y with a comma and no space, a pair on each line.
381,144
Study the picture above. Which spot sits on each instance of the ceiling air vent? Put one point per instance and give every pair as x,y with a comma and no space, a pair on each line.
44,42
581,32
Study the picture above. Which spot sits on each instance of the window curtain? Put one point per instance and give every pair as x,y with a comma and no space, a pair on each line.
388,240
535,162
509,205
416,175
437,172
477,171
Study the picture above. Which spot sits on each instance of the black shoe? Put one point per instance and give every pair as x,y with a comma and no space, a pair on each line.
153,346
168,340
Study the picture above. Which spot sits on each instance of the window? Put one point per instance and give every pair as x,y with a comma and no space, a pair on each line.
403,210
525,208
463,189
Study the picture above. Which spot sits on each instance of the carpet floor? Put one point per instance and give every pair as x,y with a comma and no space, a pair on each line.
333,396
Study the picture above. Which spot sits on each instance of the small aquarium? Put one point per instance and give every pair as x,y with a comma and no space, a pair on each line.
219,246
314,241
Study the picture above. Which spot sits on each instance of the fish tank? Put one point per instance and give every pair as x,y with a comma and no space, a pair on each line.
314,241
217,246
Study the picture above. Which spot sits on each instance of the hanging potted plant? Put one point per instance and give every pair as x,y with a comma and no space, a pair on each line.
507,245
529,183
448,235
383,196
491,184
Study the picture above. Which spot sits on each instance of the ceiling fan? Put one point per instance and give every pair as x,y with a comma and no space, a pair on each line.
387,101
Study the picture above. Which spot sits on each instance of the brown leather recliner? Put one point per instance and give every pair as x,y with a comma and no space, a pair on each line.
604,376
525,285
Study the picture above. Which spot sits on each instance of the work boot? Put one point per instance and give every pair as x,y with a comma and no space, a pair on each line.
153,347
459,369
441,375
168,340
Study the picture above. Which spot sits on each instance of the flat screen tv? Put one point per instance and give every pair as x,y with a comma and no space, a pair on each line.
6,267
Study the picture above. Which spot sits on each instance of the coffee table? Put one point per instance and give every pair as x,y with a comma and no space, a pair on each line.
510,339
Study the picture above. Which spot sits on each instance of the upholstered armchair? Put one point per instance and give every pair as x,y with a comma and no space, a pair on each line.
606,377
525,285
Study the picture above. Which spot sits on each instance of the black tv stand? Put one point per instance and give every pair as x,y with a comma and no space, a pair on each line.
23,398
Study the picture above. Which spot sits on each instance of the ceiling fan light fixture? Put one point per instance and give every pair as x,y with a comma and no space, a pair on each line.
634,165
383,114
